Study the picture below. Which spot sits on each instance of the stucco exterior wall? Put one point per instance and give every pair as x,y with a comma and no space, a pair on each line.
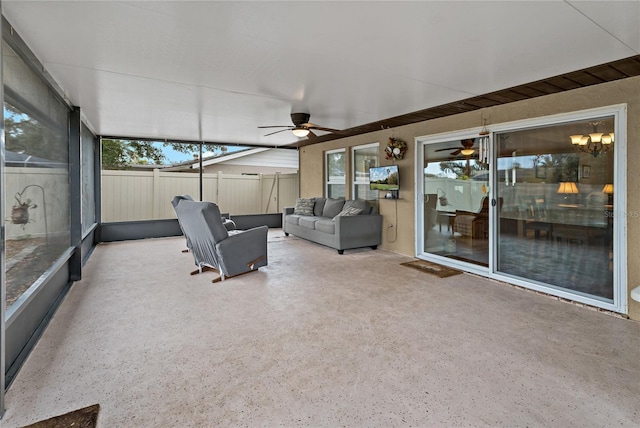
607,94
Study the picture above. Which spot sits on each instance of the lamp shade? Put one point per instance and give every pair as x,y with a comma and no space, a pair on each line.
608,189
596,137
575,139
567,187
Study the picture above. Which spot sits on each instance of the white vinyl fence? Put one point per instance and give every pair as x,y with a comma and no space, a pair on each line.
147,195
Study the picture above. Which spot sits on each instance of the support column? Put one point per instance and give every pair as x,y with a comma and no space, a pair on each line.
75,190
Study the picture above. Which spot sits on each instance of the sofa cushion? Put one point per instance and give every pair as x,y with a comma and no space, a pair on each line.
292,219
304,206
332,207
359,203
326,226
308,222
349,211
318,206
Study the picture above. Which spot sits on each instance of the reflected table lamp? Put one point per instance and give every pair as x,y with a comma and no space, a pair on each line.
608,189
567,188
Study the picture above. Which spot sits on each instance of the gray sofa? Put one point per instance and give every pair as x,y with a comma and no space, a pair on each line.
335,223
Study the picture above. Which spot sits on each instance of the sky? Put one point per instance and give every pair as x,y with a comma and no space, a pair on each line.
174,156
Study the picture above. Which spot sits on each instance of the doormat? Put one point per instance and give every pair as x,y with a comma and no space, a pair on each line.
432,268
81,418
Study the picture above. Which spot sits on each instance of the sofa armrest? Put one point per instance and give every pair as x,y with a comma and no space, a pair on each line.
359,230
285,212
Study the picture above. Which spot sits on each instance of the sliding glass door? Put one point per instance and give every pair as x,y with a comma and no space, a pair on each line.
537,203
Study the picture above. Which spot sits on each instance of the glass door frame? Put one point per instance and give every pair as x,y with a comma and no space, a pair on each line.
620,213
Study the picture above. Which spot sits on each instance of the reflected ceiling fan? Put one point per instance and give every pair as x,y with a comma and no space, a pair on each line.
467,148
301,126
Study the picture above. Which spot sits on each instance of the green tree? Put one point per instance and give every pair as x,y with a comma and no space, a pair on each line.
563,167
120,154
24,134
461,169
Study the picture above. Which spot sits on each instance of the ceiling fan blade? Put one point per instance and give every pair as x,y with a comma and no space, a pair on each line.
322,128
271,133
443,150
456,153
276,126
311,134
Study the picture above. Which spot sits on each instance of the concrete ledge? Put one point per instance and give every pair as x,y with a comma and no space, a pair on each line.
248,221
129,230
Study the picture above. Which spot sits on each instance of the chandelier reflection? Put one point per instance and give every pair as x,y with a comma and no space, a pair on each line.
595,143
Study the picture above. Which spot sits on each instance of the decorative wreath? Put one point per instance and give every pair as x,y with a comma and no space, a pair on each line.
396,148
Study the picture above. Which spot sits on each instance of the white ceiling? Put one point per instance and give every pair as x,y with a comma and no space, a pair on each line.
215,71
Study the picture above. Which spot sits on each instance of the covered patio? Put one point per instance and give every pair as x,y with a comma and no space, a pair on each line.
319,339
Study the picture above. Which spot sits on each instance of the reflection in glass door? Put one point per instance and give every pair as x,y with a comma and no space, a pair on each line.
555,187
456,200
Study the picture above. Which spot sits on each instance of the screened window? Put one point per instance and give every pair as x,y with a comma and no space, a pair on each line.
364,157
36,177
335,174
88,180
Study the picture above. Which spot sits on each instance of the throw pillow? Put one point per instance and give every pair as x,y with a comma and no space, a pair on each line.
349,211
319,206
304,206
359,203
332,207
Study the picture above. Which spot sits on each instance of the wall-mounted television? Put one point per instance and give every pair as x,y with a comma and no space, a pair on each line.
384,178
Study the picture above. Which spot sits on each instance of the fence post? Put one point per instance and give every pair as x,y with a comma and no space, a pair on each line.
277,179
156,193
261,181
218,185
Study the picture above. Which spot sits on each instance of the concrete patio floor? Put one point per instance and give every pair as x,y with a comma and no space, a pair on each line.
321,339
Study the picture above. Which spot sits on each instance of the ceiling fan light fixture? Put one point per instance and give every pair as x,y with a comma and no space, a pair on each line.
467,152
300,132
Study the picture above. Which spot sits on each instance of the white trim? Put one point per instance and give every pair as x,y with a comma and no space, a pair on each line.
620,286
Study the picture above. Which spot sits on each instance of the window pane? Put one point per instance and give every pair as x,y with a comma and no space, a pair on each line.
364,159
336,191
364,192
556,222
456,202
336,167
36,176
335,174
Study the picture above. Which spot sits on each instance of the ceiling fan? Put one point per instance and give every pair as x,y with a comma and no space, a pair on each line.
467,148
301,126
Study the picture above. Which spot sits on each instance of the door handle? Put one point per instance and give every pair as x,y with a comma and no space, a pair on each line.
493,202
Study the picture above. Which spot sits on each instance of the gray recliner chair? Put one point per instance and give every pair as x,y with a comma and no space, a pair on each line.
227,222
214,247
